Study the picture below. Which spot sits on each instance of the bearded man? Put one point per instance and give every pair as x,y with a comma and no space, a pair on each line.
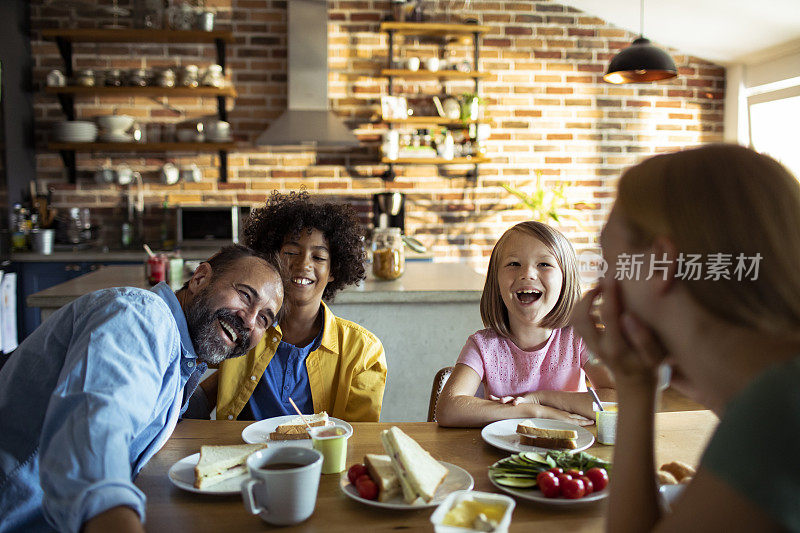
91,395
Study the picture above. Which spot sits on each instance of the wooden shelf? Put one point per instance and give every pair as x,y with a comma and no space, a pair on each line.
433,28
82,35
435,161
142,147
144,91
411,121
439,74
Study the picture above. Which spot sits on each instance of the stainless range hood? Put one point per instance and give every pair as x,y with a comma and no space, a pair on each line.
307,119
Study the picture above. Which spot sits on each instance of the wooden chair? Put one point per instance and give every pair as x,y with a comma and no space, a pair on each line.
438,384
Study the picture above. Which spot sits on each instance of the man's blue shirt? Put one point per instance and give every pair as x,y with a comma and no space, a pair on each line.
85,401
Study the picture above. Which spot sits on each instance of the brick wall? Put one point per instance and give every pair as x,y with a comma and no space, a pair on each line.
551,112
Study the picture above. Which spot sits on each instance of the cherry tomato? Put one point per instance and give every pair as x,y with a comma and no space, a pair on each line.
355,472
587,483
367,488
556,470
574,472
549,484
563,478
599,478
573,489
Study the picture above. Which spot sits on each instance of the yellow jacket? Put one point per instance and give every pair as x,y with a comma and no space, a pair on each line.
347,372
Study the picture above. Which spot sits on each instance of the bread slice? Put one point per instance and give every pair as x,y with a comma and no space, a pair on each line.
418,472
295,429
679,470
529,427
289,436
546,442
218,463
382,473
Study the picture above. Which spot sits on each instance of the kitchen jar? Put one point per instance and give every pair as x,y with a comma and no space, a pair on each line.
166,78
113,78
189,76
85,78
138,78
388,255
213,76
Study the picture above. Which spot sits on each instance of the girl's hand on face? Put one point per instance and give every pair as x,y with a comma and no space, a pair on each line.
629,348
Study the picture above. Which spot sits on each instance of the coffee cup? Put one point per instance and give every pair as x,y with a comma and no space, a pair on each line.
331,442
412,63
282,484
432,64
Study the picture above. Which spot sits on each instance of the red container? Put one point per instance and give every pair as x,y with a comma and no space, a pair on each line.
157,268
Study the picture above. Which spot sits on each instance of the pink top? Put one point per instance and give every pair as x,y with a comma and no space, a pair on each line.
506,370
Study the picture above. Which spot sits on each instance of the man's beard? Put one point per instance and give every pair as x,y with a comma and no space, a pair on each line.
204,332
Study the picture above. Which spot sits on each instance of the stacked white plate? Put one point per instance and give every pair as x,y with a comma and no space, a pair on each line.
75,131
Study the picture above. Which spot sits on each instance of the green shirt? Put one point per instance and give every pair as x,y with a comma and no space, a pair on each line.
756,448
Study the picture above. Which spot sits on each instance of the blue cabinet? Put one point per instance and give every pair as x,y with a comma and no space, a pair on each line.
33,277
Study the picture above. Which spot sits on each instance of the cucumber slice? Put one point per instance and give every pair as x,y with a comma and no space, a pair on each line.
522,483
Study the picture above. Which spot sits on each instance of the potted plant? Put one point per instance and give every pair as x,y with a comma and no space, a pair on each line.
547,203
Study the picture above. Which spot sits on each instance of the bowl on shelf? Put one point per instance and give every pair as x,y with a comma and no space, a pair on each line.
75,131
115,123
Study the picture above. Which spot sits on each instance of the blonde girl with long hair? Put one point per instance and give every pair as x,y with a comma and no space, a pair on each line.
528,359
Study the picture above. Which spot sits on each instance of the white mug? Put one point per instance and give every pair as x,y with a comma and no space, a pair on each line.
191,174
169,174
432,64
287,495
413,63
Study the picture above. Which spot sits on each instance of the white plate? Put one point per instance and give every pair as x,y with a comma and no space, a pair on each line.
258,432
182,476
457,479
535,495
503,434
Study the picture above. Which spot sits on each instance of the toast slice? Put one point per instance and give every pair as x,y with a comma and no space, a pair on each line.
529,427
295,429
218,463
383,474
546,442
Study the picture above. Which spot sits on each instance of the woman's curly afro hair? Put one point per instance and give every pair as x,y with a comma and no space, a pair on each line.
289,214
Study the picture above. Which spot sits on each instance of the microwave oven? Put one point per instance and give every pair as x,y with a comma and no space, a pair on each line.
208,226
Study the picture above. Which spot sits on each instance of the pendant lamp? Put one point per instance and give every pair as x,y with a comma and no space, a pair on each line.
641,62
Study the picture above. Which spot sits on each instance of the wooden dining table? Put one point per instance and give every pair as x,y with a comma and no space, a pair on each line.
680,435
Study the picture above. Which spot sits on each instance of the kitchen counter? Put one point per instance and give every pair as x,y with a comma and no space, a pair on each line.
98,255
422,319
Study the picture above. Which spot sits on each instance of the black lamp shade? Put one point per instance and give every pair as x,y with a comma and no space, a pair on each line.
641,62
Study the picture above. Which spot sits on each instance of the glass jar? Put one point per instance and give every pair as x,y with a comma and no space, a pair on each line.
213,76
113,78
189,76
138,78
388,254
85,78
166,78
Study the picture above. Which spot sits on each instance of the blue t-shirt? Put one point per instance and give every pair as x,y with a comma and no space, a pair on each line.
85,401
755,447
285,377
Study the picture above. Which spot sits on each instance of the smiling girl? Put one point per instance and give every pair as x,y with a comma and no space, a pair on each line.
530,362
322,362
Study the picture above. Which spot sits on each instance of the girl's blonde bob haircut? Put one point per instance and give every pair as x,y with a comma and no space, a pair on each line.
731,200
494,312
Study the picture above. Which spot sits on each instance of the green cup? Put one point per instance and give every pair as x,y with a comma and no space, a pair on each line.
331,442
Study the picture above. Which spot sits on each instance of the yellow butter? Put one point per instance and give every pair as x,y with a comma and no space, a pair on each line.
465,513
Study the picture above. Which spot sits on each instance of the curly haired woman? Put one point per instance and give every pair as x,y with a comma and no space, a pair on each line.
322,362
